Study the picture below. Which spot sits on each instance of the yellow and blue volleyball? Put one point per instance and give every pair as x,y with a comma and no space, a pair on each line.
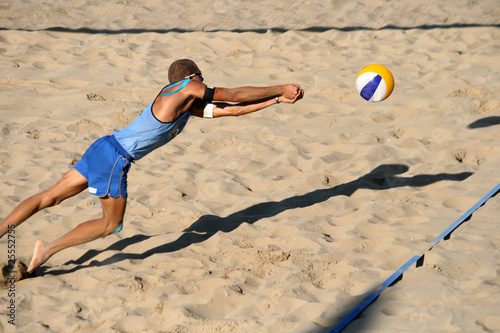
375,83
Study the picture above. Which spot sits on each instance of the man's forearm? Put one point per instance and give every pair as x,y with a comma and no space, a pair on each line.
247,94
224,109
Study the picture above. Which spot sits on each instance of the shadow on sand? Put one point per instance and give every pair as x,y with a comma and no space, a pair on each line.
381,178
90,31
485,122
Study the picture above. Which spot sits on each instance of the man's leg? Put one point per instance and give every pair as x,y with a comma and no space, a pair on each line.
113,210
69,185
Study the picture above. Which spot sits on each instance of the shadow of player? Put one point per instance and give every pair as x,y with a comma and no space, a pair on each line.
381,178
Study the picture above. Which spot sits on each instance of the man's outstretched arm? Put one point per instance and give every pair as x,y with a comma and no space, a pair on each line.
219,109
242,94
250,94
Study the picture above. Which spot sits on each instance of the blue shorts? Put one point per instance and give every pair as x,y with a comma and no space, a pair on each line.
105,164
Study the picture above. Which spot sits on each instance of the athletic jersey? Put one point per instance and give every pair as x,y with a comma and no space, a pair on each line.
146,133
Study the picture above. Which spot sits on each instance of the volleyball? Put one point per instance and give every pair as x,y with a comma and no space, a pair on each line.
375,83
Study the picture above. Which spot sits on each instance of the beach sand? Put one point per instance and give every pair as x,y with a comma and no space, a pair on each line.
279,221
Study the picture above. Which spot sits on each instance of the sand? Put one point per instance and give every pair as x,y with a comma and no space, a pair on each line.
279,221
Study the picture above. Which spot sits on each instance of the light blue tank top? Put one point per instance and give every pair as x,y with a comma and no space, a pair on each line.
146,133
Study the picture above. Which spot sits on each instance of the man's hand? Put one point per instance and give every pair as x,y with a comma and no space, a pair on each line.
290,91
299,95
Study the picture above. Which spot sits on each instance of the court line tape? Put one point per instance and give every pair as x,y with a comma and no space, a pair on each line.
397,275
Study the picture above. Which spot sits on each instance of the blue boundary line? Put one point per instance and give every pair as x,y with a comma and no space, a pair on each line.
466,215
399,273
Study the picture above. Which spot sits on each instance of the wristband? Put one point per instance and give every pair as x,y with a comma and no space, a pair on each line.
208,111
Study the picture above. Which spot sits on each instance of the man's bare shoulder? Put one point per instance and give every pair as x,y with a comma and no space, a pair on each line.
195,88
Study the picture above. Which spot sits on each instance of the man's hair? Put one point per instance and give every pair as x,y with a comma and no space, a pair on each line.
180,69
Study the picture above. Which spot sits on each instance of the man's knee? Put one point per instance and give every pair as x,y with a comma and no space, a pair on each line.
48,199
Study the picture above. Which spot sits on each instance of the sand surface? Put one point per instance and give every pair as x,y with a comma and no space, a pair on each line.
279,221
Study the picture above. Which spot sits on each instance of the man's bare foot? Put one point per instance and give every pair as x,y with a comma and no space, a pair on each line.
40,256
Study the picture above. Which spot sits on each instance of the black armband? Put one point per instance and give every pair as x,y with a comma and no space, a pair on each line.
209,94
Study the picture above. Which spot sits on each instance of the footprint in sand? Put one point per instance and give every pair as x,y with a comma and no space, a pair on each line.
12,273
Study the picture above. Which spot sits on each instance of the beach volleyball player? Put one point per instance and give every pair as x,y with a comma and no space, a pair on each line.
104,166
